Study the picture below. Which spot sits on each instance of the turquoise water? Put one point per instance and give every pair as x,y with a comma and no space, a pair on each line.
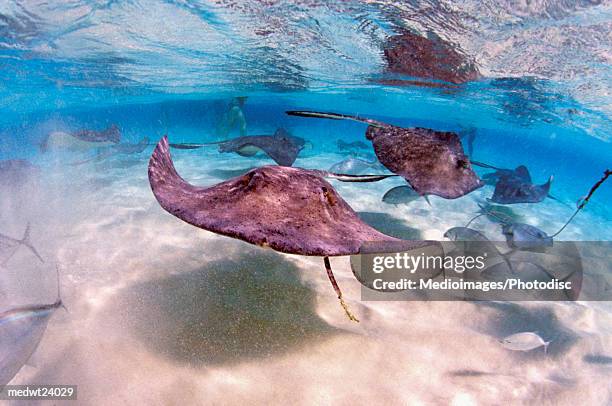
191,317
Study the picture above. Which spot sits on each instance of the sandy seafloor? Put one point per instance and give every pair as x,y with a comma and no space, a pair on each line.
163,313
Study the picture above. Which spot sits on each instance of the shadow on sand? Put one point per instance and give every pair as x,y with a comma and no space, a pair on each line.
390,225
227,311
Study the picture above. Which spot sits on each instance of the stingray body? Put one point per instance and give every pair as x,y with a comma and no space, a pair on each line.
433,162
290,210
355,166
520,173
282,147
512,190
81,140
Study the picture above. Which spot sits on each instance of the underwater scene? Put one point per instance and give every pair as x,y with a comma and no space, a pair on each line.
201,202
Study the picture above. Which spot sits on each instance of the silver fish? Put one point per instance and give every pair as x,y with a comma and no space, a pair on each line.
21,330
526,341
402,195
9,246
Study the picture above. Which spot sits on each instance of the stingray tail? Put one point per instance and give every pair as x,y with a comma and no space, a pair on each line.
426,197
355,178
335,116
584,201
483,165
28,243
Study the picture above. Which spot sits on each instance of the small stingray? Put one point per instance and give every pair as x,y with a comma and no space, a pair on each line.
21,330
351,146
118,149
282,147
515,186
290,210
402,195
433,162
430,58
520,235
81,140
9,246
355,166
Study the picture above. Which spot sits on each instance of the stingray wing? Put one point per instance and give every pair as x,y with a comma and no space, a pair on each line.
288,209
432,162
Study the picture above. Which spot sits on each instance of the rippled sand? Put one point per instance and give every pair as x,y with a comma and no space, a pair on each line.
163,313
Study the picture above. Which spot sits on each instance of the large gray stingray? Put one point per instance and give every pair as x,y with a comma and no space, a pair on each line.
433,162
21,330
282,147
81,140
290,210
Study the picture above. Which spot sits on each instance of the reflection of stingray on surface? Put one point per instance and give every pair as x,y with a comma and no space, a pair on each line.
228,173
513,318
390,225
229,310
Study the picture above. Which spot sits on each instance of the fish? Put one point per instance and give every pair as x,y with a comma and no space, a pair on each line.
432,162
9,246
526,341
21,330
290,210
525,236
402,195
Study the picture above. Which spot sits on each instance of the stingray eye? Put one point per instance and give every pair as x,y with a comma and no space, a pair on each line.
462,164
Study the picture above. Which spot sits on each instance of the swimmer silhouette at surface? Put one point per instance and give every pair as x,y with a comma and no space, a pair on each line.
233,119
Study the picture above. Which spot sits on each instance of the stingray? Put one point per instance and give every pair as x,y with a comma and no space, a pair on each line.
515,185
290,210
402,195
21,330
355,166
429,58
82,139
282,147
9,246
433,162
118,149
521,235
